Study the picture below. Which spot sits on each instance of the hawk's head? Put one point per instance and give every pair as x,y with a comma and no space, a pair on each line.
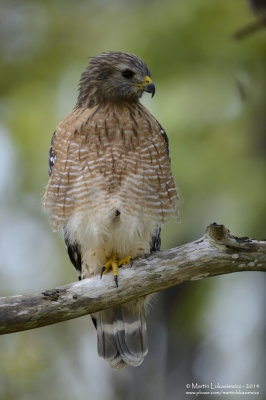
114,77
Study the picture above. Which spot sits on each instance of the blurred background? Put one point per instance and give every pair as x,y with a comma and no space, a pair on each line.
211,100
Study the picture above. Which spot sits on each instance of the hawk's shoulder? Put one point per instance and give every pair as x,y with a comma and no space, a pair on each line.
164,135
157,128
69,128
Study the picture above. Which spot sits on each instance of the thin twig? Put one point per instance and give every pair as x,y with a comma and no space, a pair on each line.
258,24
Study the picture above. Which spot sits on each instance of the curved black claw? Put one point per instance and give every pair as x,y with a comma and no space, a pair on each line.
131,262
116,280
102,271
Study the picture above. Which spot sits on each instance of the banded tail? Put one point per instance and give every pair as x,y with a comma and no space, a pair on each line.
122,334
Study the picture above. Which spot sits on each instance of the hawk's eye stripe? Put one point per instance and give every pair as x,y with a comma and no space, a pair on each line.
127,73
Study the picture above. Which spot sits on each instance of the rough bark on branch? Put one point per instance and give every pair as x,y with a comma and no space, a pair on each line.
216,253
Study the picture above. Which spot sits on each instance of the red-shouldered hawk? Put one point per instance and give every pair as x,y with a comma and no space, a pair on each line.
111,189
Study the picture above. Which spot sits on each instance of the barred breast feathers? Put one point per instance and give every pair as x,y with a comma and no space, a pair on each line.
107,155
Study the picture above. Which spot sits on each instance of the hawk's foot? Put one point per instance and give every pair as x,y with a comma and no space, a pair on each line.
114,264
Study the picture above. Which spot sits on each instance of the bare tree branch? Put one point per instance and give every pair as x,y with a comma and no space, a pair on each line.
216,253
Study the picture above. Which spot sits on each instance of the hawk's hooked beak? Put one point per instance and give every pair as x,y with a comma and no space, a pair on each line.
149,86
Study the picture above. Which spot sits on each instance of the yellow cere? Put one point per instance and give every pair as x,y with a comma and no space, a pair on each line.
147,80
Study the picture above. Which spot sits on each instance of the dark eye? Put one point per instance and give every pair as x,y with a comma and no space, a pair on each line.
127,73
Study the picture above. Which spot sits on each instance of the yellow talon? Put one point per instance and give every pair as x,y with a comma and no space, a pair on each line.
113,264
107,266
124,261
